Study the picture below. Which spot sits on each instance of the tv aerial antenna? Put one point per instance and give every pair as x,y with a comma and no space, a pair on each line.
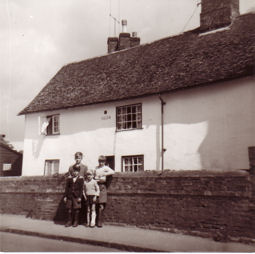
115,20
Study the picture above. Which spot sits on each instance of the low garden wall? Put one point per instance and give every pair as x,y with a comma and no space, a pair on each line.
219,205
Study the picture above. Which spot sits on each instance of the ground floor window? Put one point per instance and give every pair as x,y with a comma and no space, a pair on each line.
7,166
133,163
51,167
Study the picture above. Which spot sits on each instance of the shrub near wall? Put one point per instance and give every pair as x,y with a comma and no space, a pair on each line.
209,204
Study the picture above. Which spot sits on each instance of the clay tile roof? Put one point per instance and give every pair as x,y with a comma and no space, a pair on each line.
172,63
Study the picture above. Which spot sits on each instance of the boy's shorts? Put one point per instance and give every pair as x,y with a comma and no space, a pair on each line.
73,203
90,200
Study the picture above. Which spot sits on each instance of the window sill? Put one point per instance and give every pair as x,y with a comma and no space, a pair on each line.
129,130
56,134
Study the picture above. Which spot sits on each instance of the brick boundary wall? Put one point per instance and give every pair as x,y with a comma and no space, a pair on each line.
218,205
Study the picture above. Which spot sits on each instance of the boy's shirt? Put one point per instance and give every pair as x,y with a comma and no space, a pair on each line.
91,188
102,172
83,170
74,188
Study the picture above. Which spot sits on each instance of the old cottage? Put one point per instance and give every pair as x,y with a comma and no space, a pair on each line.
184,102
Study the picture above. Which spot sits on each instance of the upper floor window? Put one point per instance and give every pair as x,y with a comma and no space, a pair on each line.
51,125
133,163
129,117
51,167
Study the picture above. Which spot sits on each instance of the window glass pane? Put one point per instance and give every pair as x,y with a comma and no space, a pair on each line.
51,167
139,124
7,166
56,124
56,167
118,126
49,128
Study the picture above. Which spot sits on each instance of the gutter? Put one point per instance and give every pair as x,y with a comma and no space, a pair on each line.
163,103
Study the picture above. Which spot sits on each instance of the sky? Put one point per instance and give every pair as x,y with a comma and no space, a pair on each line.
38,37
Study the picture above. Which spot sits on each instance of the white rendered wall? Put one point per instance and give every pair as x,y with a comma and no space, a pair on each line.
205,128
210,127
89,130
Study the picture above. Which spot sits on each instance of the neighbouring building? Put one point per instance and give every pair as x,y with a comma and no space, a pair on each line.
186,102
10,159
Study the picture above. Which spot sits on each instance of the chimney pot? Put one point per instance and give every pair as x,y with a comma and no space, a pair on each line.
124,25
134,34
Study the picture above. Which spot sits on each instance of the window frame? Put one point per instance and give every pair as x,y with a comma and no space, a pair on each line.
54,121
52,169
7,166
128,157
137,114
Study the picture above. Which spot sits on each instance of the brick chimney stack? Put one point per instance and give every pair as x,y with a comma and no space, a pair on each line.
218,13
112,43
124,37
134,40
124,41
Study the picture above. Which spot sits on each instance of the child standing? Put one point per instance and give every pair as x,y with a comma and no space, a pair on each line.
73,195
101,172
91,194
78,156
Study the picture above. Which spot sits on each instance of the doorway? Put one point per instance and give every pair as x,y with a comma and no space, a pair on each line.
110,162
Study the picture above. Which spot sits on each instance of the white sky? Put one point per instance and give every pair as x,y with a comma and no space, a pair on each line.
38,37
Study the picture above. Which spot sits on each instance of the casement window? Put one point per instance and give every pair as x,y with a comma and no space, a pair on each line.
50,125
133,163
51,167
129,117
7,166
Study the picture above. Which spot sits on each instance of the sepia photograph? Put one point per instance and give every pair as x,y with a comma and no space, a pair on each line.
127,126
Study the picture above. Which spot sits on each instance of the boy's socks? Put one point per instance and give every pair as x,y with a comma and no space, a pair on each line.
88,219
93,219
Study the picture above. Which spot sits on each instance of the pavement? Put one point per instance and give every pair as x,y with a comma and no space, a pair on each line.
124,238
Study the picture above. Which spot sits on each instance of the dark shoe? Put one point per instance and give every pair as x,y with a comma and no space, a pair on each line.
69,221
76,218
75,224
100,218
68,224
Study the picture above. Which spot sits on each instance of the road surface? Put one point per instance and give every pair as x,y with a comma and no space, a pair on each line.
10,242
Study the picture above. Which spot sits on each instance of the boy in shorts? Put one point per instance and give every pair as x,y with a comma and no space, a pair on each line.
91,189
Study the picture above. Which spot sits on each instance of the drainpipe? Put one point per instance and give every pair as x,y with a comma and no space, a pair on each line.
162,133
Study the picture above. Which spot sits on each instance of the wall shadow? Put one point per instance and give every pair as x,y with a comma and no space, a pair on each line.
61,213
